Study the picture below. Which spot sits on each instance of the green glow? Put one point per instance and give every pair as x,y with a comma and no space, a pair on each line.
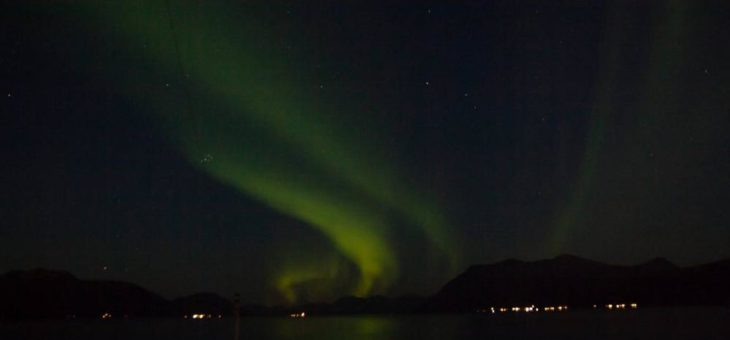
354,231
669,34
274,142
315,277
574,210
361,327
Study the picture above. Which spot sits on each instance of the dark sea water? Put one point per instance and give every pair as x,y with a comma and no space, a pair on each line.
650,323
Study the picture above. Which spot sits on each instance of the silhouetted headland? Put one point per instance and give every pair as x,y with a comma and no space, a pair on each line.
562,281
573,281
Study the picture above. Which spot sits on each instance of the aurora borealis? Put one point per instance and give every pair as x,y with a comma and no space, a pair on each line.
338,187
301,153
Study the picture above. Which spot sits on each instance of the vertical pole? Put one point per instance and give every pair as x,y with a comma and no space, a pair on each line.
236,316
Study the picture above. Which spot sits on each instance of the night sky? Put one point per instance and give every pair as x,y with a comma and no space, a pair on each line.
294,152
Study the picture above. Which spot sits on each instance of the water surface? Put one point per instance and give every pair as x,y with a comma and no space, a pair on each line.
650,323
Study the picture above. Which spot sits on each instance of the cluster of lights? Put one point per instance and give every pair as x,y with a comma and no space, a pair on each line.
202,316
526,309
298,315
532,308
619,306
105,316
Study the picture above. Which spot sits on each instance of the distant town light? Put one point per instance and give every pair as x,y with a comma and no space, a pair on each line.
519,309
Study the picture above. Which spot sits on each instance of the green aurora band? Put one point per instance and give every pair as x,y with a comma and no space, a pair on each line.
275,142
669,45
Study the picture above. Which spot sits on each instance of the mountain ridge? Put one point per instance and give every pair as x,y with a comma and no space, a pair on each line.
571,280
565,279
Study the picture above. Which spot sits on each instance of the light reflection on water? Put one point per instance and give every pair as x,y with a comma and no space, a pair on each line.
675,323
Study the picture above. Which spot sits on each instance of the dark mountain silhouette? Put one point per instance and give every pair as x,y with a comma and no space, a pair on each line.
205,303
578,282
563,280
42,293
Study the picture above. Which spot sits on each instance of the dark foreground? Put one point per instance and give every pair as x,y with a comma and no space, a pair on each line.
649,323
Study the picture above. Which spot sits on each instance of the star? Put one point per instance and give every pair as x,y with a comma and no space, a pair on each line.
10,94
428,83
